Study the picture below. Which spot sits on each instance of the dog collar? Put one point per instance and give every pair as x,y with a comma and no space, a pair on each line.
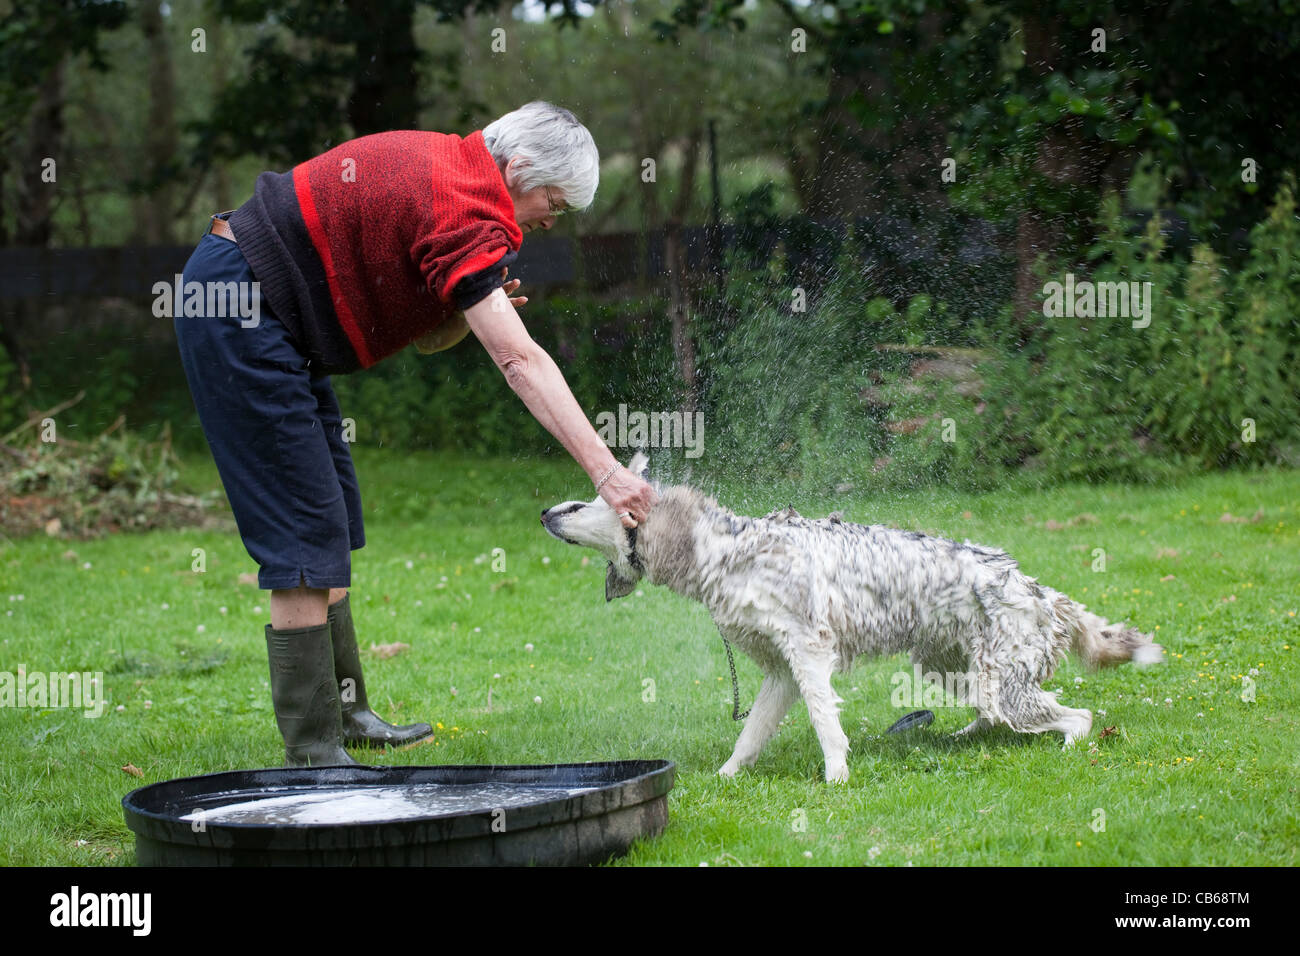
633,558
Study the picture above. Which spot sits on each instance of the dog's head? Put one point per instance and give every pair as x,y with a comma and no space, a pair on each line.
593,524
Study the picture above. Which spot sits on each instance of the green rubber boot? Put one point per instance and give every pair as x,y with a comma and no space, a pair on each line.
305,696
361,725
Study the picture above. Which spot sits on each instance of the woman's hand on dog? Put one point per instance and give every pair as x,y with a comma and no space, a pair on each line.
625,492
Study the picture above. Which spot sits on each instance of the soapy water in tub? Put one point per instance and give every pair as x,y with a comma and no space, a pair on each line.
347,805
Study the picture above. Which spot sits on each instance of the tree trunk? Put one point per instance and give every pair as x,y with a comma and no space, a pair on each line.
1067,159
155,208
841,173
385,87
683,344
34,206
4,178
220,76
675,263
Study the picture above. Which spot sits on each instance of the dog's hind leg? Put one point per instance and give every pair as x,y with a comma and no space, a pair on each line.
1029,709
951,664
976,726
773,702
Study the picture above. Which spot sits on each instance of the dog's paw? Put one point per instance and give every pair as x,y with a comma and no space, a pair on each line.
728,769
976,726
1079,728
837,773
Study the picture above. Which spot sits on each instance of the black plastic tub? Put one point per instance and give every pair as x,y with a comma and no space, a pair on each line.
553,814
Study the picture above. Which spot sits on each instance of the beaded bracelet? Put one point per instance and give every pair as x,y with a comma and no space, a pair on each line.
608,475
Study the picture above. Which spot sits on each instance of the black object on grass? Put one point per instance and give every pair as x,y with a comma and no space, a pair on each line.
917,718
557,814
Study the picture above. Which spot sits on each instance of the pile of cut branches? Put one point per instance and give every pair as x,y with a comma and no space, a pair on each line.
84,489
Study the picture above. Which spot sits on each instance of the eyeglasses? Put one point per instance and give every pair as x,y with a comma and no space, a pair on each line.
556,209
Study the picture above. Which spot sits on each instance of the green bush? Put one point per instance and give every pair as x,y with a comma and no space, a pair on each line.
1112,401
841,393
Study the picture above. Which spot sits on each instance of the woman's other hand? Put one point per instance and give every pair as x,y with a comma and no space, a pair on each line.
510,288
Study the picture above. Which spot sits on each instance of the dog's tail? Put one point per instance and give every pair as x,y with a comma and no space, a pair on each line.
1097,641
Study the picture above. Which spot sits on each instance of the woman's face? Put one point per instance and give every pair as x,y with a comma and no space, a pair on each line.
535,209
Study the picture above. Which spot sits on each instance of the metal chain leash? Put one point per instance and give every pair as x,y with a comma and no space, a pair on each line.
735,686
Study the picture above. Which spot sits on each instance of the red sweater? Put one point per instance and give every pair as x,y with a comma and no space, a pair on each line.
359,251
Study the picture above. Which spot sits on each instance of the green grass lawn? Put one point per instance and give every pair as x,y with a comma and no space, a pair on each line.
1192,774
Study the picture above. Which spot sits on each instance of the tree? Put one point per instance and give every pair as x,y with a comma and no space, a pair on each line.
36,38
322,71
1043,104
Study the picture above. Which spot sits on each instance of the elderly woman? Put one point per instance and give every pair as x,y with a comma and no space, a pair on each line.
390,240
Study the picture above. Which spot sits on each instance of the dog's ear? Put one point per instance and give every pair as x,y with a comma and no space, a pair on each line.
616,585
640,466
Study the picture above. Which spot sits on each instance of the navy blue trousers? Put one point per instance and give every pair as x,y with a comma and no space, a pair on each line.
275,432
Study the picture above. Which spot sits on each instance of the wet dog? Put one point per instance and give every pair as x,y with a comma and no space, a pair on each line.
804,598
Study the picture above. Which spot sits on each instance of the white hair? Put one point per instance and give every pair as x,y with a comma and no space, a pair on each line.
556,151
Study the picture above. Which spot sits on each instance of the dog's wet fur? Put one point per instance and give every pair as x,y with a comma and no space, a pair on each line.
806,597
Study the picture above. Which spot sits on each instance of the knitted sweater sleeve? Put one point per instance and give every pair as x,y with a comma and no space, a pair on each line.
477,286
468,228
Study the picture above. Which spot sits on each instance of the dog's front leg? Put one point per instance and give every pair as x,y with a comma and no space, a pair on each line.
813,674
773,702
